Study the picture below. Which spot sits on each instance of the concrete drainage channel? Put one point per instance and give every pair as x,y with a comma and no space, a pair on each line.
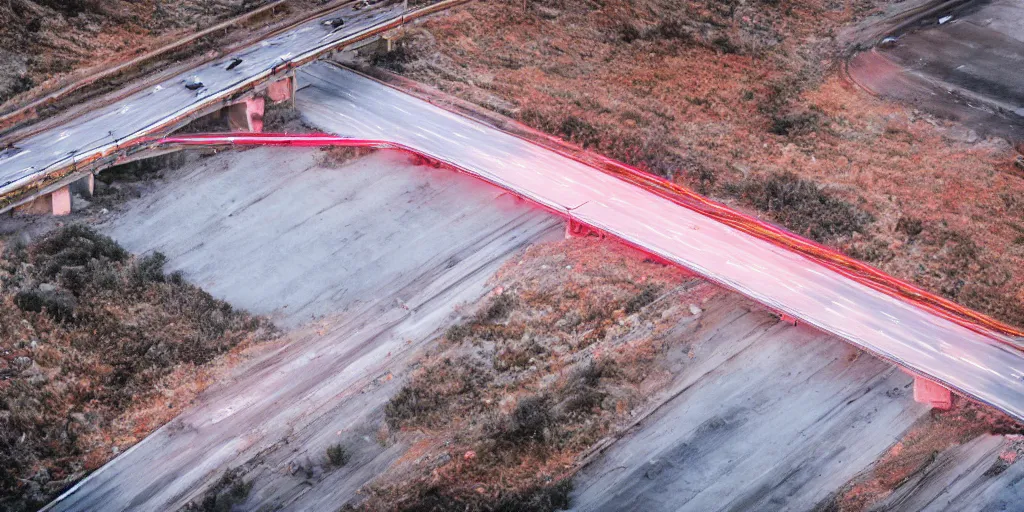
957,60
361,282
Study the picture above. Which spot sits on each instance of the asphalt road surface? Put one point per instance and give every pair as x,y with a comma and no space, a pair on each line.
981,366
107,126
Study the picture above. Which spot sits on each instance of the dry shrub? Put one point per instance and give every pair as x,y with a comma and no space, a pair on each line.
434,392
540,498
518,384
230,491
283,118
337,455
644,297
87,332
337,156
804,207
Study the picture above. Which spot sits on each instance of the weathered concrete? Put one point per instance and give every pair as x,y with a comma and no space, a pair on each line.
60,201
367,261
931,393
966,68
42,205
762,416
767,417
281,90
881,320
968,478
85,186
246,116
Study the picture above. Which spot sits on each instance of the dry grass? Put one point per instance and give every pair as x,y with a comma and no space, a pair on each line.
223,496
761,119
98,349
556,359
44,40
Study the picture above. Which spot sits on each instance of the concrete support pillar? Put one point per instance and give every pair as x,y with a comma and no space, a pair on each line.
932,393
576,229
293,81
85,186
60,201
281,90
246,115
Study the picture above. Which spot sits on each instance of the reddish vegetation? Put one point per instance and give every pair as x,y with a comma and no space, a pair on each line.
564,353
917,449
746,105
97,350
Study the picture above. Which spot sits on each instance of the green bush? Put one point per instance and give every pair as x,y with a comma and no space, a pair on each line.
628,32
528,421
458,332
74,246
910,226
410,403
395,60
150,168
231,490
337,455
795,123
579,131
672,29
499,307
581,392
149,269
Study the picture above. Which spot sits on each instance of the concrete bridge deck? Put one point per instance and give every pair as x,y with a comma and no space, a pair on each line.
44,162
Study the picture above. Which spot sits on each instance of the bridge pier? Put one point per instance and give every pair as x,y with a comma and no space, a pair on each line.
927,391
282,90
59,201
246,116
